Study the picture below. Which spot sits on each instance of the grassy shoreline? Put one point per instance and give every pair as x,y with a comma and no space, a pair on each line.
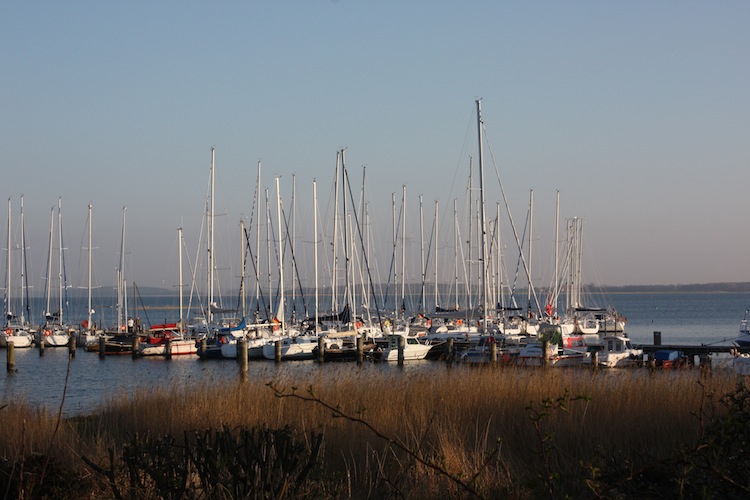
485,432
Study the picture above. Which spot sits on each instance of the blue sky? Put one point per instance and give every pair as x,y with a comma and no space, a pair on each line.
637,112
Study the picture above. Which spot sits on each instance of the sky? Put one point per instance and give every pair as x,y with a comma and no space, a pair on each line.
637,113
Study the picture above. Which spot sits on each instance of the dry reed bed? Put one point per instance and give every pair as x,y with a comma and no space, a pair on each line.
455,416
631,411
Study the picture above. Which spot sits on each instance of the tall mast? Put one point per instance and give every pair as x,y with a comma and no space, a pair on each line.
393,253
334,287
455,250
60,273
242,268
24,287
122,291
211,243
8,289
482,221
436,254
281,257
90,311
315,247
268,243
403,250
48,284
292,209
422,268
555,288
531,243
257,245
179,258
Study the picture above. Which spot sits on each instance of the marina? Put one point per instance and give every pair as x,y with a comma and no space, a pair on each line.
684,320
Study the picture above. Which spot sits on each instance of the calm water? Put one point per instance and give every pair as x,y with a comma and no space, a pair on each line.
682,318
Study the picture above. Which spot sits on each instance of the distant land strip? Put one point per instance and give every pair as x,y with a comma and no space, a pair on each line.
720,287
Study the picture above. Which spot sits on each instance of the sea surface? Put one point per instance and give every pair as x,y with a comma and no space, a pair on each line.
682,318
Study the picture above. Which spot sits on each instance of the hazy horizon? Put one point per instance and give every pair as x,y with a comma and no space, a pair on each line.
637,113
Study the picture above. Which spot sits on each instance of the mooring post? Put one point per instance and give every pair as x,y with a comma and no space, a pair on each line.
102,346
705,364
493,353
72,346
657,338
545,356
136,346
11,356
41,344
242,357
449,348
203,347
168,349
595,360
321,348
401,346
360,348
277,351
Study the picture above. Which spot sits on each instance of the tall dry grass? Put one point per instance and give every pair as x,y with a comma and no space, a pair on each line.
472,422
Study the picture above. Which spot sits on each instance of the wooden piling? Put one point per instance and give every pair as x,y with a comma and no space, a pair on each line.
657,338
321,349
72,346
11,356
203,347
360,348
595,361
136,346
168,349
242,357
493,353
449,347
41,344
401,346
277,351
545,354
102,346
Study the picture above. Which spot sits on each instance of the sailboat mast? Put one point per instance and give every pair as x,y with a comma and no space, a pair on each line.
211,243
482,221
242,268
422,269
281,257
403,251
24,288
268,242
531,243
61,262
48,284
181,327
8,289
257,244
556,287
315,247
455,250
436,254
122,290
89,275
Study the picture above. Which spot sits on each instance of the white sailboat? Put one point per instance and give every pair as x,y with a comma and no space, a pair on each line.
16,329
88,333
55,333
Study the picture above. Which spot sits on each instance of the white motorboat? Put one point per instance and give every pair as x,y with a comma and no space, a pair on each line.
413,349
617,352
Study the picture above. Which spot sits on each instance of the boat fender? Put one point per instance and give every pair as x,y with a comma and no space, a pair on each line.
8,331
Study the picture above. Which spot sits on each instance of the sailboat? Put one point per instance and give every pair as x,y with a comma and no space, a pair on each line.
55,333
157,337
88,334
16,330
